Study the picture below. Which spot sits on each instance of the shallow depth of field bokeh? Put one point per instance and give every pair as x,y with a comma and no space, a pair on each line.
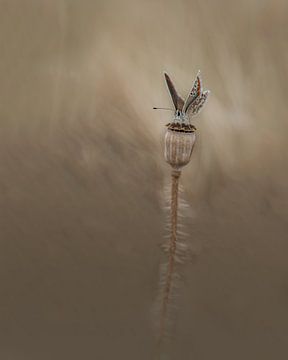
82,175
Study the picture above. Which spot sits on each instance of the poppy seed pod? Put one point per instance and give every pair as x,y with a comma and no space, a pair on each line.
178,148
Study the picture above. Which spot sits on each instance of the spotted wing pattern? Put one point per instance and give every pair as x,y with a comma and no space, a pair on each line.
196,105
194,93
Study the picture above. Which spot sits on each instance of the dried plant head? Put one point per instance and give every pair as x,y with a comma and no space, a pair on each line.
178,148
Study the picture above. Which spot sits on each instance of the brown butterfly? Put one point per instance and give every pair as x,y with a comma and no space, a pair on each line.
194,101
188,108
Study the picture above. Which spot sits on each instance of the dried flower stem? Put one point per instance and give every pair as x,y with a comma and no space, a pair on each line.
172,252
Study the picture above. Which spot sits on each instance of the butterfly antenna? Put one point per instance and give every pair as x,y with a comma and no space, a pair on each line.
159,108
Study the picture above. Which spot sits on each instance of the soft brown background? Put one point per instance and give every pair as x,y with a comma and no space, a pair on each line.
82,177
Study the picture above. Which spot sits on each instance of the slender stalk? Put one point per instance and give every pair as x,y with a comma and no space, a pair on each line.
175,175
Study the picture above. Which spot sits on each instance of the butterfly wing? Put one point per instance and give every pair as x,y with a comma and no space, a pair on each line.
196,105
194,93
177,100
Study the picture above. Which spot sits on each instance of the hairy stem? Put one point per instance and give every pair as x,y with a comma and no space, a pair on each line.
172,252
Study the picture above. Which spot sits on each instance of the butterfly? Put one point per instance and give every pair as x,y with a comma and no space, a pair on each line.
188,108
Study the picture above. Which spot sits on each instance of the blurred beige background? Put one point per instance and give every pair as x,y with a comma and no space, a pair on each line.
82,176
